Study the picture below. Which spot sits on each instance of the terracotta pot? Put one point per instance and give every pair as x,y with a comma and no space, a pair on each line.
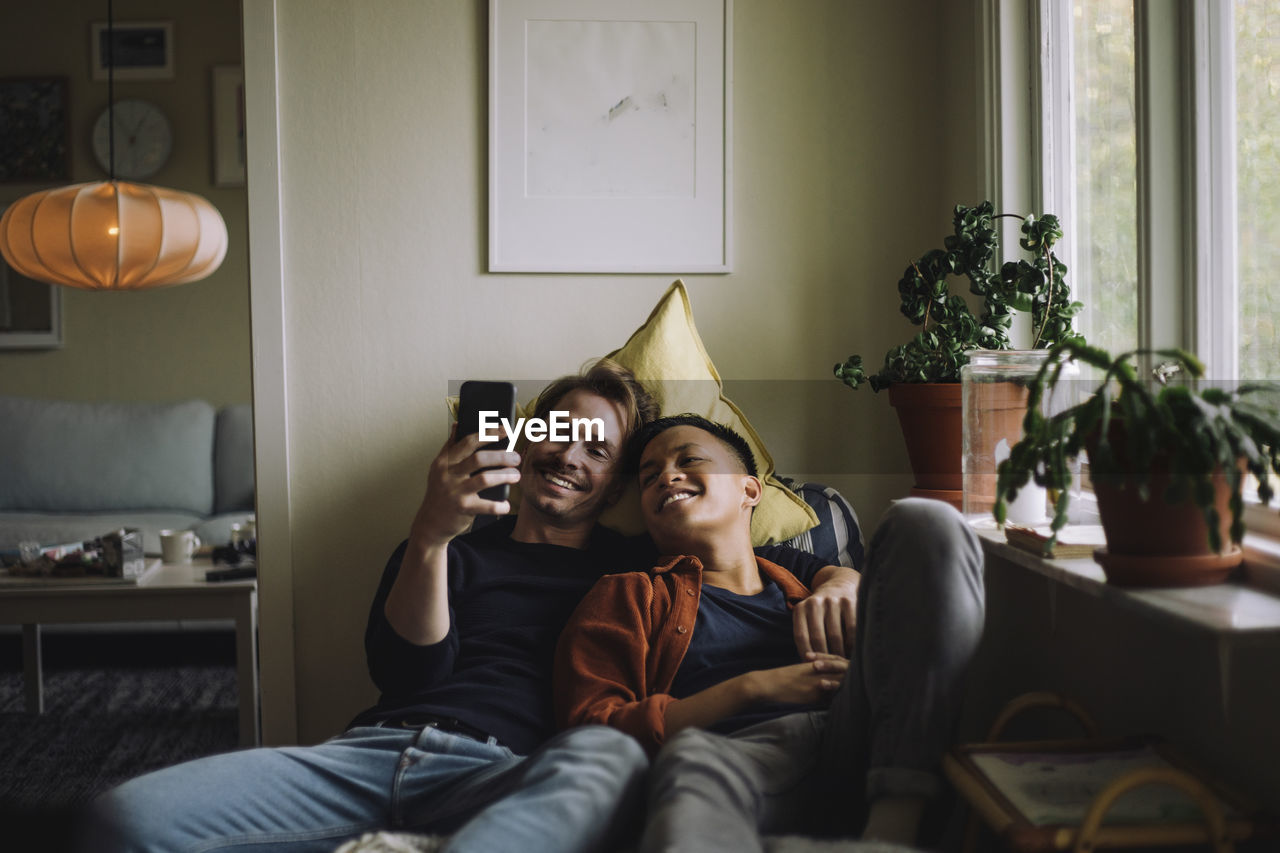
930,417
1154,543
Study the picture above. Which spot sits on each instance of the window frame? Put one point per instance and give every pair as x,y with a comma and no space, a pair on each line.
1213,51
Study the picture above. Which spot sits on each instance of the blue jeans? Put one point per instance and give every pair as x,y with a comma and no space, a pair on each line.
571,794
920,616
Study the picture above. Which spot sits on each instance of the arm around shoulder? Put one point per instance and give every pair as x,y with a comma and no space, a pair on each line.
826,621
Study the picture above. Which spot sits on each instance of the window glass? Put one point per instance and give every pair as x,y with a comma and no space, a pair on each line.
1106,186
1257,56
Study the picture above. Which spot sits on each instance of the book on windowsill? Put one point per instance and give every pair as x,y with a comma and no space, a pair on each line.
1074,540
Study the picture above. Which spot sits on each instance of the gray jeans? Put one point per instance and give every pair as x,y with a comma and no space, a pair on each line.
920,615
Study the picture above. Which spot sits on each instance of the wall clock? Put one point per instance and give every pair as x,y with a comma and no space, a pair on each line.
143,139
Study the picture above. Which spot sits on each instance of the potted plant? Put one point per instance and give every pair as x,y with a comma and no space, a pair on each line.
923,375
1167,463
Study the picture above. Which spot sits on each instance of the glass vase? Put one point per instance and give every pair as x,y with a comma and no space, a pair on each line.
994,390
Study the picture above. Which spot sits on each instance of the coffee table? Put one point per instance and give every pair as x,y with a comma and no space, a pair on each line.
165,592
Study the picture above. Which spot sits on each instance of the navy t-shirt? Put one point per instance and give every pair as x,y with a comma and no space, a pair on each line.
735,634
508,602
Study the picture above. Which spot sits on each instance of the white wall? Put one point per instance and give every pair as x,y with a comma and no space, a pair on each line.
853,137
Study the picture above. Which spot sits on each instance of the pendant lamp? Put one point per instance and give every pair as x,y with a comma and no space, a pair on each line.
113,235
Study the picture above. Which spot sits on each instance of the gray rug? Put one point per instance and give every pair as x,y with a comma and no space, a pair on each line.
103,726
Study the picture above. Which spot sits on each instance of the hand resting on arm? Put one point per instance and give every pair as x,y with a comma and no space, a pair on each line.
804,683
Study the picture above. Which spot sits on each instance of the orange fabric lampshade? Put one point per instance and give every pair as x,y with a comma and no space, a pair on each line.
113,235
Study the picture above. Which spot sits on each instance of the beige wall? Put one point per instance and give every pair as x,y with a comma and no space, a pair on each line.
188,341
853,136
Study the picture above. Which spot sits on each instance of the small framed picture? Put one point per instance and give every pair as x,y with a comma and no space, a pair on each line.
35,136
139,50
228,126
30,312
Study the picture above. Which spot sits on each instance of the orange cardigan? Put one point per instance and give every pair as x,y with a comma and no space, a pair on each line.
621,649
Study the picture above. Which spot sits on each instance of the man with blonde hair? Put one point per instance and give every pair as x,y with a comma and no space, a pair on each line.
460,641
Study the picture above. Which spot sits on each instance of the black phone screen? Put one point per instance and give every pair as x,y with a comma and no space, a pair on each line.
495,400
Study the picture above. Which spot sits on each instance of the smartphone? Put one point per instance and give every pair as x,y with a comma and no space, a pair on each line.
476,397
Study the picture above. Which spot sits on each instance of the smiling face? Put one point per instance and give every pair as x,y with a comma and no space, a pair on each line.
693,490
568,484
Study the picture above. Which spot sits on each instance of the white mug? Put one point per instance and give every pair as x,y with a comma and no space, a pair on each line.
177,546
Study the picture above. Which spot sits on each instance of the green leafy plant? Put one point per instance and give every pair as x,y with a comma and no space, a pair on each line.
949,329
1195,432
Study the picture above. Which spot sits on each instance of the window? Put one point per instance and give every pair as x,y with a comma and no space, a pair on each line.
1158,129
1174,114
1104,172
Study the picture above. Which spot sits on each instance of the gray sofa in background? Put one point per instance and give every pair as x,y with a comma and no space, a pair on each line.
71,470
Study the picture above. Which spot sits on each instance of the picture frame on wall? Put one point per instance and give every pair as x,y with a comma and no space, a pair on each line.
30,312
143,50
609,136
228,126
35,132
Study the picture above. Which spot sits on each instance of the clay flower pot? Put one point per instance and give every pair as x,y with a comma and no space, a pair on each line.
930,416
1157,544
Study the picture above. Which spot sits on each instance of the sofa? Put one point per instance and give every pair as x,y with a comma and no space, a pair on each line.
74,470
837,538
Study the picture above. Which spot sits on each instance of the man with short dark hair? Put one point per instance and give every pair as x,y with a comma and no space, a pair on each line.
460,641
694,658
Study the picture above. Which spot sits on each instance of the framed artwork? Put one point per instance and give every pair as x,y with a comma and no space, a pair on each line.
228,126
609,136
35,133
142,50
30,312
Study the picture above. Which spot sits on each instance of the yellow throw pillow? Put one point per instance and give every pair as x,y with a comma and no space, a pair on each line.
667,356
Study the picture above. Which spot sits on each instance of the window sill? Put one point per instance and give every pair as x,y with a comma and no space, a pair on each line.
1235,609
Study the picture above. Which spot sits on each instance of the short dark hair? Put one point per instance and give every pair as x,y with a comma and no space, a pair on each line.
610,380
730,439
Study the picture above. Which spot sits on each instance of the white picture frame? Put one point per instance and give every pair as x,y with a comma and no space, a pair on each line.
30,312
144,50
609,136
228,126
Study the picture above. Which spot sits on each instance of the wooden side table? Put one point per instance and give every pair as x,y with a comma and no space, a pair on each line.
164,592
